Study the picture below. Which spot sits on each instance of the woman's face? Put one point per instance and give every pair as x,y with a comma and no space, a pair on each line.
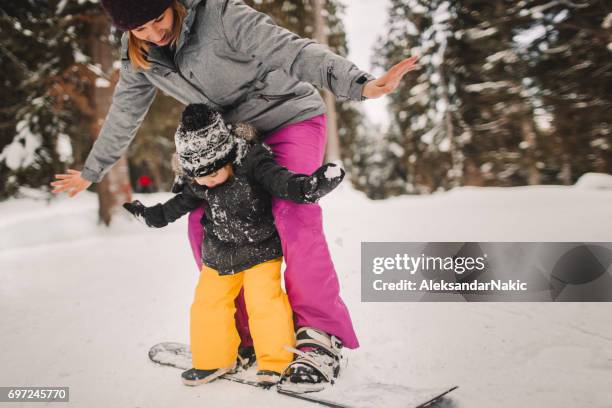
157,31
216,177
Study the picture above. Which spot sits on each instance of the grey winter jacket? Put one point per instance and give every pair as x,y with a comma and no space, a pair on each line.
238,61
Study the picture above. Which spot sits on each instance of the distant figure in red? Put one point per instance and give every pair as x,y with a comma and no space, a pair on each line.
145,184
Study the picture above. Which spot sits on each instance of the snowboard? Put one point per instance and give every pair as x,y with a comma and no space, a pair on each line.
340,395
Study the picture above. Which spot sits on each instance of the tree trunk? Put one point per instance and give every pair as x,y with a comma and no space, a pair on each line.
530,138
115,188
320,35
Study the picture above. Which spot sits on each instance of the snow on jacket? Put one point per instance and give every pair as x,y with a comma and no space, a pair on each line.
238,61
240,230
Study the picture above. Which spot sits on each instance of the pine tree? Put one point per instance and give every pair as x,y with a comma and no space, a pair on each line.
60,56
510,93
43,91
569,45
424,108
495,98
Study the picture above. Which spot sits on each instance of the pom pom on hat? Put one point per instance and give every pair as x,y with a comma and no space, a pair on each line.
197,116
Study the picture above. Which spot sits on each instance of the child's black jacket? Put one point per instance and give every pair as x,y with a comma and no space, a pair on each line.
239,227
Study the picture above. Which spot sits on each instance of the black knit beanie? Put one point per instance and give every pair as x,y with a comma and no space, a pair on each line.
204,144
129,14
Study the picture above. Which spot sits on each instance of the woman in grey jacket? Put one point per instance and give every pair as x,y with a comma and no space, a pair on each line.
235,59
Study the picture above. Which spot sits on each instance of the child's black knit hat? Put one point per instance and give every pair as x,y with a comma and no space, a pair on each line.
204,144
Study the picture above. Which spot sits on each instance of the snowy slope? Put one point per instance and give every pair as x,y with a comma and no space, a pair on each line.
81,304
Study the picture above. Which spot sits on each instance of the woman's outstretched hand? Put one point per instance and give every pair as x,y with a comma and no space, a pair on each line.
390,81
72,182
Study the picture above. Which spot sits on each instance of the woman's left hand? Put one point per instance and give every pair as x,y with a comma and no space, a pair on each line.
390,81
72,182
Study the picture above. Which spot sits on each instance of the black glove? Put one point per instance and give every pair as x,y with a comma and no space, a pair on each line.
322,181
152,216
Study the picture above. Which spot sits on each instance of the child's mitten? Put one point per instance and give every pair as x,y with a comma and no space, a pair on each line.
152,216
322,181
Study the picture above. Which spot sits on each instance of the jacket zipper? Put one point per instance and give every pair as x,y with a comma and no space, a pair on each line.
269,98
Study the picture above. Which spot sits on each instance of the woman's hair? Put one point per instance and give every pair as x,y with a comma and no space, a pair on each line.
138,49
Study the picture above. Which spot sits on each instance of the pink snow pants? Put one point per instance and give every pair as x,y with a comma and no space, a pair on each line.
310,278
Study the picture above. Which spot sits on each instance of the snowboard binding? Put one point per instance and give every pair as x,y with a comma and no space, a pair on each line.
317,362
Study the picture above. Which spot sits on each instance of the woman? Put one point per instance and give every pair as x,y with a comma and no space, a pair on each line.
235,59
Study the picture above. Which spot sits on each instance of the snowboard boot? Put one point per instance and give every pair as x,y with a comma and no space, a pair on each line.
194,376
246,358
267,378
317,362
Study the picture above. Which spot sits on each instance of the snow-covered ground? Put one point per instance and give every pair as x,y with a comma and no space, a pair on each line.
81,304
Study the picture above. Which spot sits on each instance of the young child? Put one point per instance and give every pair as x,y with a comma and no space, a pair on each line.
233,178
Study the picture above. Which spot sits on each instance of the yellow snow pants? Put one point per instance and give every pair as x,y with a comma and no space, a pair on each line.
214,338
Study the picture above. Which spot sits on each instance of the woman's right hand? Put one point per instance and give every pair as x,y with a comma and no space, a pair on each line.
72,182
390,81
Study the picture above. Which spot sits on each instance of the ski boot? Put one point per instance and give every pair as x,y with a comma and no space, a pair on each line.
194,376
246,358
317,362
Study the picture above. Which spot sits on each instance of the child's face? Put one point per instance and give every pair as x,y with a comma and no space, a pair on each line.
215,178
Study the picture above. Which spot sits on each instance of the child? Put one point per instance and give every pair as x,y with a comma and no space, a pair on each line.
233,178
